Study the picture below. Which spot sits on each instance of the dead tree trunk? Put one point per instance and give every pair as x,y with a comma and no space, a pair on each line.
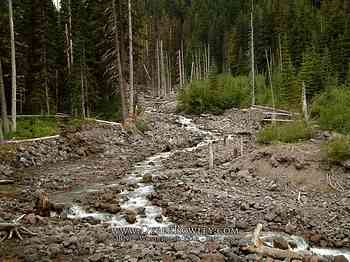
13,66
131,58
162,69
158,70
4,119
119,65
270,80
252,54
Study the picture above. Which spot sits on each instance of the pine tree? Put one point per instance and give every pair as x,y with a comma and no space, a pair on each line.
290,93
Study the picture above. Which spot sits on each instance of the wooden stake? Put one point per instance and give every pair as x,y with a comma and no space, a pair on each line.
211,155
304,102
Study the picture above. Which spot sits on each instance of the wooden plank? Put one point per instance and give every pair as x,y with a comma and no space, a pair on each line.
277,120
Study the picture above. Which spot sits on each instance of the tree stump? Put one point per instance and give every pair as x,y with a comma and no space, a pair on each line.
42,205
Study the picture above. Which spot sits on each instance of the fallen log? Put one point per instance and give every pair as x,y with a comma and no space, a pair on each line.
273,252
257,246
14,228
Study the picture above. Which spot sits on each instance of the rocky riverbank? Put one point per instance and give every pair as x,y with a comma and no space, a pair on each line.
284,187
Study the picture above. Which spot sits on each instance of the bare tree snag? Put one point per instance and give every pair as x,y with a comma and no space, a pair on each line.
131,61
304,102
119,65
252,53
13,66
269,65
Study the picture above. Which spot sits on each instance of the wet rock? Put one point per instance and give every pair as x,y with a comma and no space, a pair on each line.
340,259
110,208
130,216
280,243
312,259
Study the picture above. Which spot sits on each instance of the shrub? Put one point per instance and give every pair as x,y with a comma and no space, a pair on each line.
142,124
215,94
286,133
333,110
338,149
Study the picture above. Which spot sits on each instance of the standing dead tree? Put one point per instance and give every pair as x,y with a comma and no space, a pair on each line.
13,66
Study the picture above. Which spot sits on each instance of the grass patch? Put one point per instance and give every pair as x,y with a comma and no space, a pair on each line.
286,133
338,149
34,127
141,124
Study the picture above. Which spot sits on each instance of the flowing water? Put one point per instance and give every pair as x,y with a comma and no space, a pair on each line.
152,217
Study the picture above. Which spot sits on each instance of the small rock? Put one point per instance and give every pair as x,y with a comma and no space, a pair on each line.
213,258
147,178
230,255
243,173
54,250
141,211
290,228
346,164
30,219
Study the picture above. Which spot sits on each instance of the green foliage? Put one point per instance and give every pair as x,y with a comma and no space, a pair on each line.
34,127
338,149
333,110
218,93
310,72
285,133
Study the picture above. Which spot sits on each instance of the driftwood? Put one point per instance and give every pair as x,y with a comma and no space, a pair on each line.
14,228
257,246
6,182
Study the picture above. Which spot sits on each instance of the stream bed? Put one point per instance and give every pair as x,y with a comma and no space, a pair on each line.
152,217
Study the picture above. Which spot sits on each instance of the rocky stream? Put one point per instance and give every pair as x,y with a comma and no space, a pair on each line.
153,197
